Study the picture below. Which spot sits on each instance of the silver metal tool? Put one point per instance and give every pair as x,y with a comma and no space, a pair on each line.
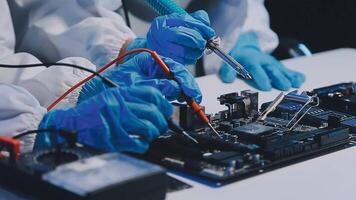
190,137
214,130
271,106
312,101
177,129
167,7
213,46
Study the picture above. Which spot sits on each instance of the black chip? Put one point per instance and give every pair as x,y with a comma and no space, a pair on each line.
252,133
221,155
253,129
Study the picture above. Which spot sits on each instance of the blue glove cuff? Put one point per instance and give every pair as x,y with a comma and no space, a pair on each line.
91,88
46,140
248,40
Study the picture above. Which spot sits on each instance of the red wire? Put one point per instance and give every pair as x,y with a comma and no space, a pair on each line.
117,59
199,111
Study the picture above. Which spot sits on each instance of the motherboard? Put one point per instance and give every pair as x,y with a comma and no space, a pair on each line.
252,139
256,139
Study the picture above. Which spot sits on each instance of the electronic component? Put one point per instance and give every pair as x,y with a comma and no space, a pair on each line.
198,110
12,146
297,126
316,116
252,132
110,176
340,97
78,173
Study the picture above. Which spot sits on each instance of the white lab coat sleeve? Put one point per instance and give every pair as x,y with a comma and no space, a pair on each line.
7,35
51,83
65,28
19,112
46,84
25,96
257,21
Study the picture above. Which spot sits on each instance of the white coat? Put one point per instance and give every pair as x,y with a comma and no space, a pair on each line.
51,30
57,30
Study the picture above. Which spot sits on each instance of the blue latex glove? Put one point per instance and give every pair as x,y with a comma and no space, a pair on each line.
181,37
267,72
143,70
110,120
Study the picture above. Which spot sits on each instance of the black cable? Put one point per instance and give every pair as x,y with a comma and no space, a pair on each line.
179,130
65,133
106,80
35,131
126,13
69,136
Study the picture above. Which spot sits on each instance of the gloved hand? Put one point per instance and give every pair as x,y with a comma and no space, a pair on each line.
143,70
119,119
267,72
181,37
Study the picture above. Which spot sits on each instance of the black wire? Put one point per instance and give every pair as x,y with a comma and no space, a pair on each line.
35,131
69,136
126,13
106,80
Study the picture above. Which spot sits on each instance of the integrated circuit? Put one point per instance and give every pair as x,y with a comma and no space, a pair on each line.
253,129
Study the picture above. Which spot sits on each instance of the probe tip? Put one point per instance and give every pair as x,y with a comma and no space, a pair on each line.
190,137
213,129
248,76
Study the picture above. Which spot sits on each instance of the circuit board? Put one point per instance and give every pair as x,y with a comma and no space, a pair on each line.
292,128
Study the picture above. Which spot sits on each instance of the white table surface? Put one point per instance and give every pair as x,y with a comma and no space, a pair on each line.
328,177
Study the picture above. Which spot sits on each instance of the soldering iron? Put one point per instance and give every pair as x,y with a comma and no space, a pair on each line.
165,7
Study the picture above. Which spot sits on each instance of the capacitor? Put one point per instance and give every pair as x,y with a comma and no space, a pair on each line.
231,168
256,158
